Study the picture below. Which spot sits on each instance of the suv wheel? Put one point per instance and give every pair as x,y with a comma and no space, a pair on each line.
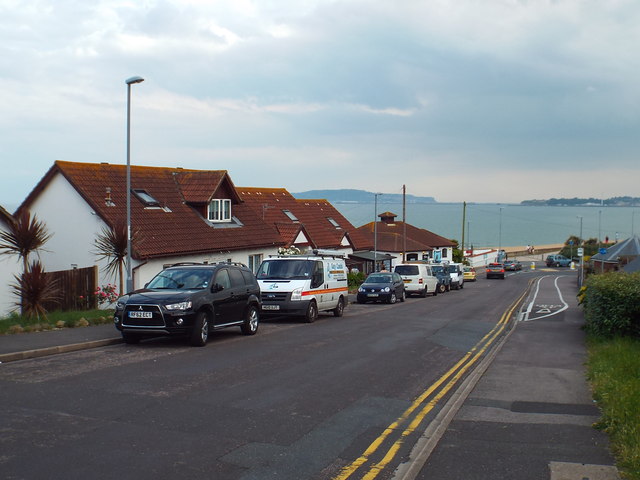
441,288
200,332
339,310
251,321
312,312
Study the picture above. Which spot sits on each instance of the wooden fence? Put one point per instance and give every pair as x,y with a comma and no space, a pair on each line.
75,289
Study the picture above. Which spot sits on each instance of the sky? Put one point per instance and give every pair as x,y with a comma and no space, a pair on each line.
492,101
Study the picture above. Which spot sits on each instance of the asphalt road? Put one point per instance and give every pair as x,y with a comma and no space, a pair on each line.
341,398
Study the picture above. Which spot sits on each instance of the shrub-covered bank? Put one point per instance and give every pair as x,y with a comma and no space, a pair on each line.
81,318
612,311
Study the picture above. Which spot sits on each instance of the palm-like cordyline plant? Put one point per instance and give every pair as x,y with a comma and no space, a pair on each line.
25,236
111,244
34,290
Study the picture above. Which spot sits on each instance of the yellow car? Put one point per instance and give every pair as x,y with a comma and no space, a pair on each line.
469,274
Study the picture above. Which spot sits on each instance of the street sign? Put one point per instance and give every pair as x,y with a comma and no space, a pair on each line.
580,251
602,251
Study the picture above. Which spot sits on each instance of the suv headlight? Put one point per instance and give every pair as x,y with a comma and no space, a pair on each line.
387,289
179,306
296,295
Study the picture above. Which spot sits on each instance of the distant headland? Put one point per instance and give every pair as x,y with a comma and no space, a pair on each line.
360,196
586,202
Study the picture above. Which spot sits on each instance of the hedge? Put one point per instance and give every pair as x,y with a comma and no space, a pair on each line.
612,303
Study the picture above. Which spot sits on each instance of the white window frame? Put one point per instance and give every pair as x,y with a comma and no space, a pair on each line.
219,210
255,261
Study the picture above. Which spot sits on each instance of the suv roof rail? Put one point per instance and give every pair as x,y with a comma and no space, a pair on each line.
205,264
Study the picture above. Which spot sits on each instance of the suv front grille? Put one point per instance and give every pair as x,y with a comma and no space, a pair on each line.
143,316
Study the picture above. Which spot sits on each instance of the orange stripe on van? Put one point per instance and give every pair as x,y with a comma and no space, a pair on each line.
328,290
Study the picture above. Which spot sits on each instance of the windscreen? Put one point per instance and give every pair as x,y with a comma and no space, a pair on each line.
277,269
437,269
407,270
177,278
378,279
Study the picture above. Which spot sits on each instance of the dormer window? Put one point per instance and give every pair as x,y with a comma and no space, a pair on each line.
146,199
220,210
291,216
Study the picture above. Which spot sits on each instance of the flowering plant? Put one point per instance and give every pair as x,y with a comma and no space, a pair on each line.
106,294
292,250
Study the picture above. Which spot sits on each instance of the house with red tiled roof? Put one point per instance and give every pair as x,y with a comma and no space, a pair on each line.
10,267
304,223
177,215
393,238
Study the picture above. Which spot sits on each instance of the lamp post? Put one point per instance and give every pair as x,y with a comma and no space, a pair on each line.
580,277
375,232
129,82
500,238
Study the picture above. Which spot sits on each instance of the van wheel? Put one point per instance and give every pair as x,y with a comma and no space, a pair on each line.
435,291
403,296
423,293
312,313
448,287
251,320
461,284
200,332
339,310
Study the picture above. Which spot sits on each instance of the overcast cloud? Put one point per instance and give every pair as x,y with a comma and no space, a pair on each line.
499,100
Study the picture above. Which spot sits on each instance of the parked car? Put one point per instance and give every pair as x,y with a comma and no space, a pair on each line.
417,278
456,274
495,270
191,300
442,274
558,261
382,286
469,273
512,265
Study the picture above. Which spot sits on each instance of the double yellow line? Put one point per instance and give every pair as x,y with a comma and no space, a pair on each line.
451,378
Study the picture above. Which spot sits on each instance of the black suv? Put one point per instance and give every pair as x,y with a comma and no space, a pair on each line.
191,299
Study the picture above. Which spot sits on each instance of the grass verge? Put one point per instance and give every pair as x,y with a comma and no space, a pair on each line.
614,372
82,318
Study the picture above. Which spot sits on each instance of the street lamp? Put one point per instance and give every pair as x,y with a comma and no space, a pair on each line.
375,232
129,82
581,256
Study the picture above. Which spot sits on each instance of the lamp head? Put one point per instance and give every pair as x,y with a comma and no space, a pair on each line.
132,80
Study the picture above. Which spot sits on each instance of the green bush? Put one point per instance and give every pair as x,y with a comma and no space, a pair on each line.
611,304
355,279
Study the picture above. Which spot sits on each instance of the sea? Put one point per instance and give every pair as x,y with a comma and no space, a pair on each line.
506,225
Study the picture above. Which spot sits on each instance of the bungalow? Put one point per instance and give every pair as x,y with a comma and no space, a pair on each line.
10,267
617,256
392,238
177,215
304,223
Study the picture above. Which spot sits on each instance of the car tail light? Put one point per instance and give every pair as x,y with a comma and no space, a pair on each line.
420,281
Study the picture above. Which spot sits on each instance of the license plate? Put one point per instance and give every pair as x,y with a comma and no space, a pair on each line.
407,280
271,307
372,294
140,314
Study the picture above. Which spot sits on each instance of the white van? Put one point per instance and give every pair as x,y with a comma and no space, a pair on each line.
418,278
457,275
303,285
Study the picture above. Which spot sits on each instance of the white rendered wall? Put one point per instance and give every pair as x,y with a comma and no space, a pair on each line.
10,265
74,228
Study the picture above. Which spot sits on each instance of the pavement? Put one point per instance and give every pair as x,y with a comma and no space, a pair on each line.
528,414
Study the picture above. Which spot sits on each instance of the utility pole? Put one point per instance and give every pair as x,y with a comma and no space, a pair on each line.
404,223
464,216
